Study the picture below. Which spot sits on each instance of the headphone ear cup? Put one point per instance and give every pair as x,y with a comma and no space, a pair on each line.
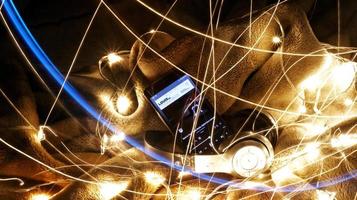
251,120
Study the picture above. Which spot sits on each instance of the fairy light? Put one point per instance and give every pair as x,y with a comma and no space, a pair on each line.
108,190
276,40
311,83
314,81
40,196
123,104
312,150
154,178
117,137
283,174
113,58
40,136
344,140
325,195
348,102
183,174
302,109
190,193
104,144
152,31
313,129
251,184
343,75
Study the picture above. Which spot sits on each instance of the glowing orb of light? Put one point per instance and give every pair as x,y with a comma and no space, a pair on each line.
311,83
344,140
108,190
40,136
325,195
40,196
123,104
113,58
190,193
348,102
312,150
343,75
117,137
183,174
154,178
302,109
276,40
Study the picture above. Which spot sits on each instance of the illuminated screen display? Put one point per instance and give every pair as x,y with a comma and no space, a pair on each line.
173,92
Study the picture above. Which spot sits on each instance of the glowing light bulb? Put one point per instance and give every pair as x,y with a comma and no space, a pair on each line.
152,31
40,196
343,75
251,184
328,61
325,195
108,190
348,102
117,137
282,174
344,140
190,193
302,109
276,40
183,174
313,129
312,150
154,178
113,58
40,134
311,83
123,104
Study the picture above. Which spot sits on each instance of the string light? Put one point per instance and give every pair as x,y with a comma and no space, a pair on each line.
312,150
40,196
302,109
276,40
191,193
117,137
282,174
154,178
152,31
348,102
311,83
325,195
344,140
183,174
113,58
251,185
108,190
123,104
40,134
343,75
313,129
112,141
338,75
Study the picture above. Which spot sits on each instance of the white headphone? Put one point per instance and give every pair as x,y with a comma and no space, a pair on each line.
248,154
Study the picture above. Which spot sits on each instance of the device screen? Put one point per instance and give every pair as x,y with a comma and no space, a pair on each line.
178,102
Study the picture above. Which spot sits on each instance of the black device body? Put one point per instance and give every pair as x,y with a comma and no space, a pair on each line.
176,98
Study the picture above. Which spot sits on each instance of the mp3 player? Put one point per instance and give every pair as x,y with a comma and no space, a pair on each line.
188,115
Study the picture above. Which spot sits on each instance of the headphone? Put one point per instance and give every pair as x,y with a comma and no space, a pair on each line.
248,153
